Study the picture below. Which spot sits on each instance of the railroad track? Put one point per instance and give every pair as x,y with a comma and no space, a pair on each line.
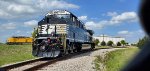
20,64
32,65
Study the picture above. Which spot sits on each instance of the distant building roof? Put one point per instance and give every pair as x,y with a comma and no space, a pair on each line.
104,35
109,36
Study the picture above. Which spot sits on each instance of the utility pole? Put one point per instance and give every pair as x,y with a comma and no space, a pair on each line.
103,37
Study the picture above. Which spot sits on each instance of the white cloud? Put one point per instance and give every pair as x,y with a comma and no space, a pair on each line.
131,33
31,23
29,32
55,4
8,26
94,18
123,32
4,14
95,25
30,8
18,31
83,18
125,17
112,13
13,10
62,4
140,31
20,9
19,1
132,36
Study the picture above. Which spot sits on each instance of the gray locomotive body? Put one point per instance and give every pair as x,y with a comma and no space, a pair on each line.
65,31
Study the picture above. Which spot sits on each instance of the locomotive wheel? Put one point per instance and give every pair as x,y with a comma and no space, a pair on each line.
35,51
61,54
74,48
61,51
79,47
66,51
92,46
69,48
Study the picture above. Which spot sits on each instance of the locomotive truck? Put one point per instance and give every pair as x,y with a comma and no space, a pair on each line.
63,31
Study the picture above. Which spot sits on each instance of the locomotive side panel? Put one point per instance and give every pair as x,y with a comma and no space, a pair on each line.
76,34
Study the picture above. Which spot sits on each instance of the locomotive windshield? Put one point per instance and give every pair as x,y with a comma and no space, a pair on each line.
59,16
62,16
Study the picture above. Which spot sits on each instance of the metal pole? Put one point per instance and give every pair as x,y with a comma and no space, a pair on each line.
55,30
103,37
34,33
47,29
37,32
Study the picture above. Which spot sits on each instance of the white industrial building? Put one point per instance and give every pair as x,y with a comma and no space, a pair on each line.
106,38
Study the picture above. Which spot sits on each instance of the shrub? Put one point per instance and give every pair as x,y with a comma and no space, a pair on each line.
123,42
142,41
109,43
96,41
103,43
118,44
34,33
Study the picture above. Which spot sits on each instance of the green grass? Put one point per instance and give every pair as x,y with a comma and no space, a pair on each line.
116,60
14,53
97,62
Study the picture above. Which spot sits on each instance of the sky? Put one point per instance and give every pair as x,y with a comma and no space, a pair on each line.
109,17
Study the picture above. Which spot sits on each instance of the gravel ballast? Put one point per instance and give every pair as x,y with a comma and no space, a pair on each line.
83,62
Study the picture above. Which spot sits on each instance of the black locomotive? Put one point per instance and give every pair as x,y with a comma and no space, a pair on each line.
59,33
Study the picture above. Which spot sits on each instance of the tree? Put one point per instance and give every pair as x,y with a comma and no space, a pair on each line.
127,43
109,43
118,44
34,33
96,41
142,41
103,43
123,42
133,44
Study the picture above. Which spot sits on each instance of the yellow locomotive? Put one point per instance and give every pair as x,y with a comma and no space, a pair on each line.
19,40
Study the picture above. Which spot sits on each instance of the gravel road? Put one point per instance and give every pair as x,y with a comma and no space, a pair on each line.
83,62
